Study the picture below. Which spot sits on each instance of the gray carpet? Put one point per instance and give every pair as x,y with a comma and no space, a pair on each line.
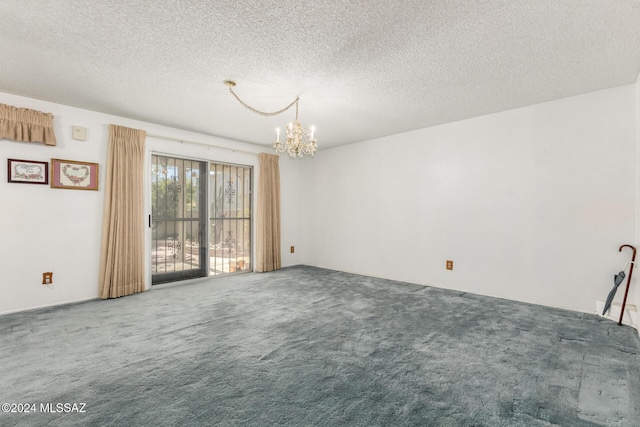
313,347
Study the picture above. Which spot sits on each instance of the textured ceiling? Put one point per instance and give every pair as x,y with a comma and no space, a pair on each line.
363,69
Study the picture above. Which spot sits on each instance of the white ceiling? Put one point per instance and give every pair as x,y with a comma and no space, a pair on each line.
363,69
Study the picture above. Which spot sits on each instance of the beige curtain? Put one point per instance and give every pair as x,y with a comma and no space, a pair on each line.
122,257
268,215
22,124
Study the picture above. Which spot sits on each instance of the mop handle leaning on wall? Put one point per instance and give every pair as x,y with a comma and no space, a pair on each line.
626,291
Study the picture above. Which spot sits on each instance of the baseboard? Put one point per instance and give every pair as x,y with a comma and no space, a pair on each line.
47,306
631,316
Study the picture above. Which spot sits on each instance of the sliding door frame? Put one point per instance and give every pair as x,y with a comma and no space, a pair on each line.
251,215
175,224
147,219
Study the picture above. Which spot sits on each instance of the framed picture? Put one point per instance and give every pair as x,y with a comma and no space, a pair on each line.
74,175
27,171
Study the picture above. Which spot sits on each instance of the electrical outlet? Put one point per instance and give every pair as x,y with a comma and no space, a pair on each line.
449,264
47,278
293,249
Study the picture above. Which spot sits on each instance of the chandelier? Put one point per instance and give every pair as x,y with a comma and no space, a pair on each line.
299,141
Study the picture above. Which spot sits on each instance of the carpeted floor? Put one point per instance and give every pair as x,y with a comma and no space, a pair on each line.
310,347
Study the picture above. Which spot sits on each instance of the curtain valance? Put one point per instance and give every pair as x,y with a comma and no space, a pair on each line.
22,124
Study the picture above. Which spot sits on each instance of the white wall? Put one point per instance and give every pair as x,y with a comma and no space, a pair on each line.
293,222
531,204
45,229
636,283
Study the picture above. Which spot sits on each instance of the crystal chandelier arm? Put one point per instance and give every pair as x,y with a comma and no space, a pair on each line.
263,113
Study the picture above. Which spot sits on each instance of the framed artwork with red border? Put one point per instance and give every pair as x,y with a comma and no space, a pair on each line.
27,171
74,175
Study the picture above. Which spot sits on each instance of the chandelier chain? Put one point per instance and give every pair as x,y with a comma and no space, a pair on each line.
266,113
299,142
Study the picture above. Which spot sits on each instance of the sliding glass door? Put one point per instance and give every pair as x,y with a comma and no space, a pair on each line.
179,217
181,248
230,218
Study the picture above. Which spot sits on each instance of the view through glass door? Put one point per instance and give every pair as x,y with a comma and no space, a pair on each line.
179,218
230,221
180,195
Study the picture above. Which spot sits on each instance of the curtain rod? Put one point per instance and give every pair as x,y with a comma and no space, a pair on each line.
180,140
